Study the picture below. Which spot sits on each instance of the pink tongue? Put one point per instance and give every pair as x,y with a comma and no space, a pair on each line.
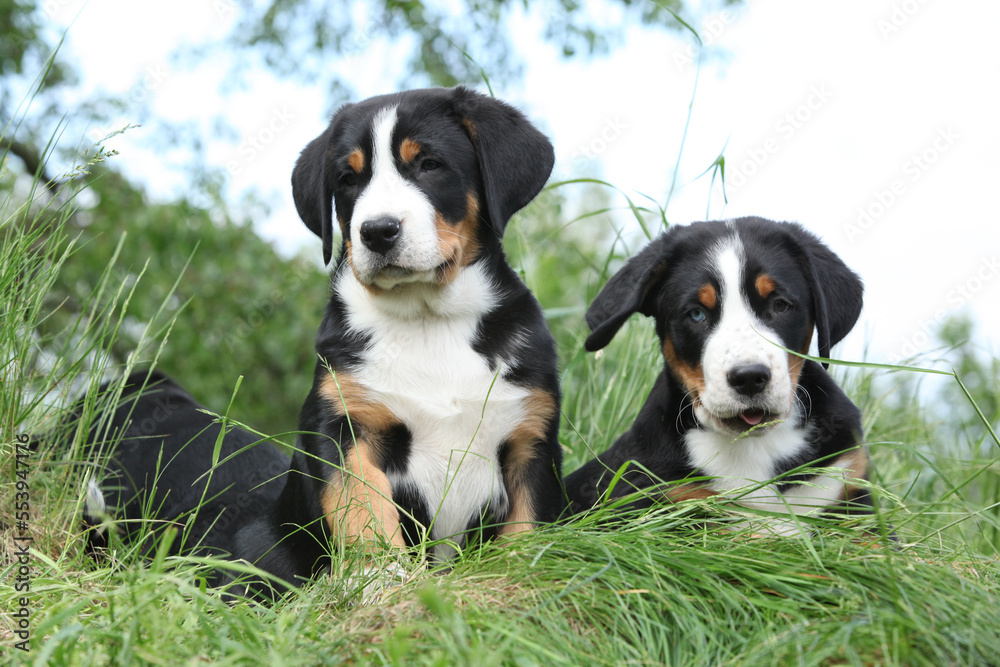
752,417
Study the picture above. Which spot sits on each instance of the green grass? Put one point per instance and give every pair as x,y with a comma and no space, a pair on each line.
673,585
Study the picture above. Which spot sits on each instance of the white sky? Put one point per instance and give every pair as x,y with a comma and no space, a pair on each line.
825,111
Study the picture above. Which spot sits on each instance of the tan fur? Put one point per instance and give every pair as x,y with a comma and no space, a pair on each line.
707,296
356,160
856,464
692,377
358,501
457,242
541,409
409,150
689,492
765,285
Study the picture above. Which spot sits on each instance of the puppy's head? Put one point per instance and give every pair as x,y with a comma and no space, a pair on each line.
722,295
420,182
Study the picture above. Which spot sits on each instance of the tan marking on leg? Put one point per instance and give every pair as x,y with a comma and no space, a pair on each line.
707,296
457,242
356,160
765,285
409,150
358,503
348,397
540,409
692,377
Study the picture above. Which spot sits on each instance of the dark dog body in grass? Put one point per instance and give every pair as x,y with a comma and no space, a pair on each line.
162,470
730,404
435,405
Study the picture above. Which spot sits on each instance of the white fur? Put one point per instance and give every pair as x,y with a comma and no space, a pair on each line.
389,194
422,367
95,505
740,466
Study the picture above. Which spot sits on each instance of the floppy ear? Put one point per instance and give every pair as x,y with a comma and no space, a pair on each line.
312,191
625,293
515,159
837,291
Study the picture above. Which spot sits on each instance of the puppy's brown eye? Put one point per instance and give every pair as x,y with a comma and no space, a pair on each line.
430,165
348,180
781,305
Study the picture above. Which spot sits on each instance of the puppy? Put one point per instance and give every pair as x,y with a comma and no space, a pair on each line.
435,404
731,404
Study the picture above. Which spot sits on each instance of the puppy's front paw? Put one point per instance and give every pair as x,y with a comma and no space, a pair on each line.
371,583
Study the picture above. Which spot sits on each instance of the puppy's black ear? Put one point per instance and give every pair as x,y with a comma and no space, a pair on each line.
313,192
837,291
515,159
625,293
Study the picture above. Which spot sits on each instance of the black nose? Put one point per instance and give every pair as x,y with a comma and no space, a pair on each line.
380,234
749,380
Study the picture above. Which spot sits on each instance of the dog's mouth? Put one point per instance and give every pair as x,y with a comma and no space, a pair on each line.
752,418
394,275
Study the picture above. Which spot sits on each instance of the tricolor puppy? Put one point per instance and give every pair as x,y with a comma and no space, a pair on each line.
435,405
730,403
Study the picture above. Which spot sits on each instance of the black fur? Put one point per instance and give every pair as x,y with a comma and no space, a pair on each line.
157,474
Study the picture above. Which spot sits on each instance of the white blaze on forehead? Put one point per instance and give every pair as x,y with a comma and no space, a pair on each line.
740,339
389,194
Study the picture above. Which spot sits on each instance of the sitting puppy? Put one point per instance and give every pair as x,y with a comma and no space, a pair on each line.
435,404
730,404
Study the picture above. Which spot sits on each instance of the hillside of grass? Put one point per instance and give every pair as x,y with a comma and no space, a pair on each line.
679,584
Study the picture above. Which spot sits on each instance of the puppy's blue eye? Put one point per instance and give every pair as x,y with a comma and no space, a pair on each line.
697,315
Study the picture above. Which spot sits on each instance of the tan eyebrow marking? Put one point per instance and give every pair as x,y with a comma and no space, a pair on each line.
409,150
356,160
765,285
707,296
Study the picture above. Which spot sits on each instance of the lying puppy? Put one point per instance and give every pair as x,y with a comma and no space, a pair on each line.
160,474
730,404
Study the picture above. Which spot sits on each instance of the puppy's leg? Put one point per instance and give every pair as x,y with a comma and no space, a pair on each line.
529,466
358,502
359,512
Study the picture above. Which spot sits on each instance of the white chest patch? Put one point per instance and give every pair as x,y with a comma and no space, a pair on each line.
421,365
742,467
